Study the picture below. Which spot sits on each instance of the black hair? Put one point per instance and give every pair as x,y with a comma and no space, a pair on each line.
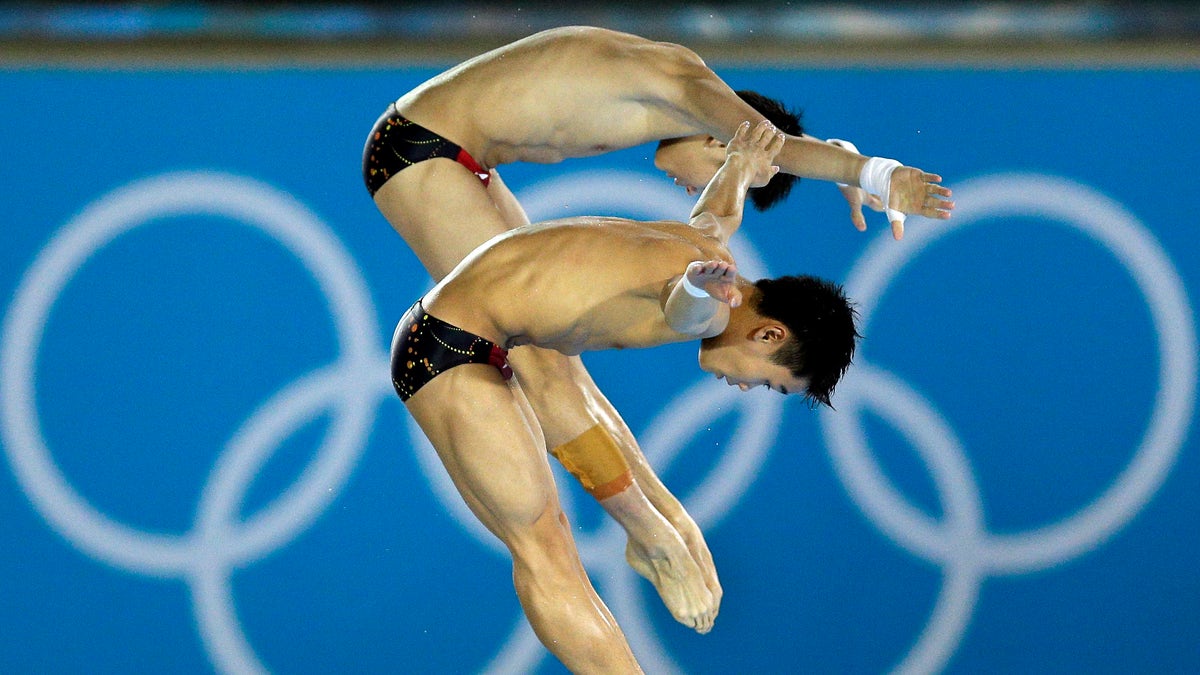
823,323
786,121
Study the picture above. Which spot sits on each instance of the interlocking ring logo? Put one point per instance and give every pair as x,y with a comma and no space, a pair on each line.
353,387
218,542
961,544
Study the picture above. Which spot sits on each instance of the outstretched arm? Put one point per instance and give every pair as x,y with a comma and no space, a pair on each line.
709,104
696,303
886,180
748,163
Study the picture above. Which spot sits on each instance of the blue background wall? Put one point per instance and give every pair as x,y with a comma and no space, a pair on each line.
205,474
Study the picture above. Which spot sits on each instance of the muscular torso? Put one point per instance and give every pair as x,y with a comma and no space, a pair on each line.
567,92
573,285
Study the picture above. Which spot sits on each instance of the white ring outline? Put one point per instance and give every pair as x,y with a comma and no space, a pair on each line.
204,556
966,551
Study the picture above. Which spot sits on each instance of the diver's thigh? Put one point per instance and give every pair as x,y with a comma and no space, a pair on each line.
476,422
441,210
561,393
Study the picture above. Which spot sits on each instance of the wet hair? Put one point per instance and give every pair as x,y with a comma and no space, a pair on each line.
823,323
789,123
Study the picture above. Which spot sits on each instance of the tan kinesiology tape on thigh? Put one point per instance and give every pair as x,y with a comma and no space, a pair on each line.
597,462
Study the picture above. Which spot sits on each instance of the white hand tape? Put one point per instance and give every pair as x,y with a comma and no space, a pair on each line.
692,289
876,178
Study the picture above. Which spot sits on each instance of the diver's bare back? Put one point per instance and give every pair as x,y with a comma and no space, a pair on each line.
566,92
573,285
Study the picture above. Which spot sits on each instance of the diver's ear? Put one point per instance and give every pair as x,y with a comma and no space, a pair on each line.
771,333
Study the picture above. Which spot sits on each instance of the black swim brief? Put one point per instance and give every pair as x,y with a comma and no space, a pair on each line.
396,143
424,346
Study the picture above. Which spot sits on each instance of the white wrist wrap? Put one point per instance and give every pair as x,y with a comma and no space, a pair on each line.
845,145
876,178
692,289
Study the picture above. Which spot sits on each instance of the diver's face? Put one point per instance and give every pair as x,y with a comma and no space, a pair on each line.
747,365
691,161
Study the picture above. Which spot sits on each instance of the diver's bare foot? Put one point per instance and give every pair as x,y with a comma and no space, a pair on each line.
679,580
669,551
694,540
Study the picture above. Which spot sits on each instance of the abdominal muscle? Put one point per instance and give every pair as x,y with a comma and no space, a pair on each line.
627,322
